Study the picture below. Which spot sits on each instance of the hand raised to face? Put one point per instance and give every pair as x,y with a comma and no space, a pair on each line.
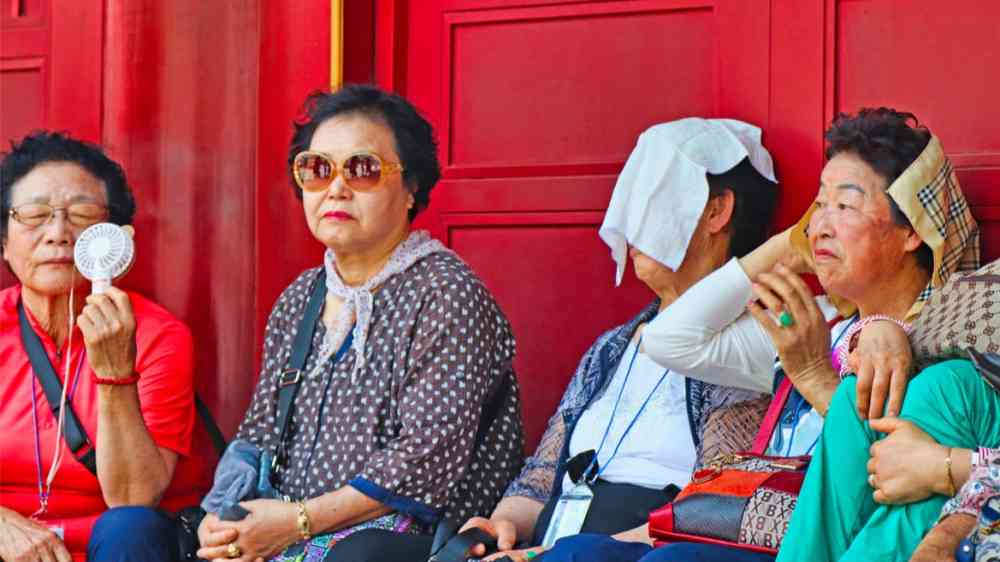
108,327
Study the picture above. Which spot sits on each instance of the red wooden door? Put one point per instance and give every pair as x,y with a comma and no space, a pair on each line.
537,105
937,60
50,70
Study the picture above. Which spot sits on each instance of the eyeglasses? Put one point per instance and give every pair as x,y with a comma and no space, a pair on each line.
364,171
78,214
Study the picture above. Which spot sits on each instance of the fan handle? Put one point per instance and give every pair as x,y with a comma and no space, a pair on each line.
100,286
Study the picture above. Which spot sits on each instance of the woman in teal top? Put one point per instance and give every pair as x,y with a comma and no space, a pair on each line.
838,516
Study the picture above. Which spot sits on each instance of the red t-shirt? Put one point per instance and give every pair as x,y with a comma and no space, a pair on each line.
164,361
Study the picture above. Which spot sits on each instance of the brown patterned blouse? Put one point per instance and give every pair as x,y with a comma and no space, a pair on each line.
437,351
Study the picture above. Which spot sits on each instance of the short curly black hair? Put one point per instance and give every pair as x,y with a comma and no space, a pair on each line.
41,147
884,139
415,141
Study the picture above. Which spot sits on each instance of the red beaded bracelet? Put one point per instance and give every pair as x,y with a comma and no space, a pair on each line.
117,382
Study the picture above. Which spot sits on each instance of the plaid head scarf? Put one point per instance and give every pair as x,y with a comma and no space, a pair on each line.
929,195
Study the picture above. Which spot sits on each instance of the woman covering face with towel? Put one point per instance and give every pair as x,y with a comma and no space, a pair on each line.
628,432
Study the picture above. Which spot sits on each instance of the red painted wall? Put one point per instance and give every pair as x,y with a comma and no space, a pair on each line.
50,70
537,103
181,116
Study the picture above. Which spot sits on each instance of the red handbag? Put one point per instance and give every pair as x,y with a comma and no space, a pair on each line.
740,500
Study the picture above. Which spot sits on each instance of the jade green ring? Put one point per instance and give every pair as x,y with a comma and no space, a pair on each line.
786,319
530,554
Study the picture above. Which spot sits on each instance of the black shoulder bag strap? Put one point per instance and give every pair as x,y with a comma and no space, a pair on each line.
290,378
214,433
76,437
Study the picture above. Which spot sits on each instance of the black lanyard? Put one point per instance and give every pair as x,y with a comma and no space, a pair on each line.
76,436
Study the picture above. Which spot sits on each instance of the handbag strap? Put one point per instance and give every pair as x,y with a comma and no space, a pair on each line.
772,416
457,549
781,395
76,436
290,379
214,433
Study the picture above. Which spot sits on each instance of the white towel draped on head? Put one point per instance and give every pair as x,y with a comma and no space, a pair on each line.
357,307
661,192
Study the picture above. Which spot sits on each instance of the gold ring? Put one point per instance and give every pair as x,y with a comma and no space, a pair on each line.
233,550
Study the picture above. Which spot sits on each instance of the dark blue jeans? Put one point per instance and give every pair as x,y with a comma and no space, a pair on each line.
693,552
587,547
133,534
602,548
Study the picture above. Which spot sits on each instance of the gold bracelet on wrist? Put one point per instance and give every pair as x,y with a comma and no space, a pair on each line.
951,479
305,528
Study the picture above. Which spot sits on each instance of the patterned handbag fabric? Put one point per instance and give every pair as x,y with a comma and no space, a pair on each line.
742,500
986,537
732,428
963,314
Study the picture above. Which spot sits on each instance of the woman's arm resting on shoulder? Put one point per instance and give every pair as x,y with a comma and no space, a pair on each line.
706,334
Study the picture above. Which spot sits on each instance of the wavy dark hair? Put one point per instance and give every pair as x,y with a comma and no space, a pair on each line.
884,139
415,141
754,198
41,147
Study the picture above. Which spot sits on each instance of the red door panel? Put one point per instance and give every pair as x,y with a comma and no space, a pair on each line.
940,63
50,70
537,106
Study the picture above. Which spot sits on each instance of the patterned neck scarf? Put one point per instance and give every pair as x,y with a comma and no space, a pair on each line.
358,301
929,194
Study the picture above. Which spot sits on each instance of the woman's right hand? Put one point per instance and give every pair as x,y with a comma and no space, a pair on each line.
504,531
210,535
25,540
804,344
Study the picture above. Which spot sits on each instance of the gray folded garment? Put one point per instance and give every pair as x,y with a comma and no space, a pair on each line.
243,474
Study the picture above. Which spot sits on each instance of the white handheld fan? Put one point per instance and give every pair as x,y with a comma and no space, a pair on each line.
103,252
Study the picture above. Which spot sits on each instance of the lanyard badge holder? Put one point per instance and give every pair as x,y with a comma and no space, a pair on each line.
571,510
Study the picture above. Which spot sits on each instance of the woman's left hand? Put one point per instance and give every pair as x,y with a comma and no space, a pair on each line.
108,327
516,555
883,363
269,529
907,465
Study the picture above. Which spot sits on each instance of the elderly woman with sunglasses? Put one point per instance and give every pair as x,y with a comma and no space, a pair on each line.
123,362
407,405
